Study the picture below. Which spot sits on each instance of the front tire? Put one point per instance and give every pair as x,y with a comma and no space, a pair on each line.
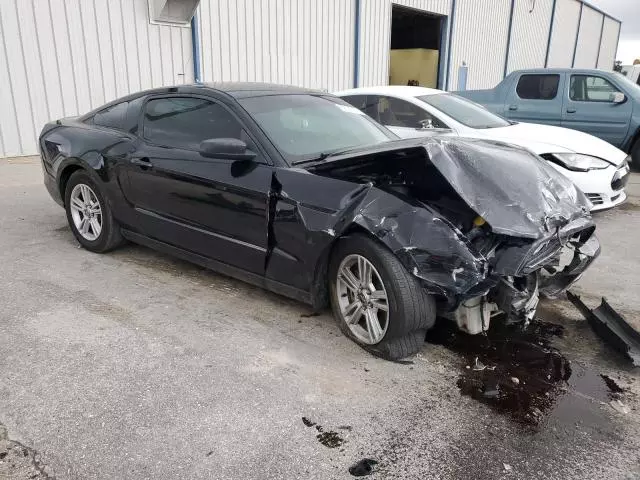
89,215
376,301
635,155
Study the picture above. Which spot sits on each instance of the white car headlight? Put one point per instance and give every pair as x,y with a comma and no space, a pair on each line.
578,162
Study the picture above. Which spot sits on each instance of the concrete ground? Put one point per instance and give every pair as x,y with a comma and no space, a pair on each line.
136,365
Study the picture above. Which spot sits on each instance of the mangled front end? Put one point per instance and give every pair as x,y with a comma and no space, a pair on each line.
485,226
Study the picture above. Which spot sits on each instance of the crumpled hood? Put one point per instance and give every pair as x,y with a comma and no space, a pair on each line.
542,139
515,191
512,189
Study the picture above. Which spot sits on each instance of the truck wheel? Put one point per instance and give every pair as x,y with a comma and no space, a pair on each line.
89,215
377,303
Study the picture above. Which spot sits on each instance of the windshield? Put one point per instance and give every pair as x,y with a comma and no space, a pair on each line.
304,127
464,111
627,83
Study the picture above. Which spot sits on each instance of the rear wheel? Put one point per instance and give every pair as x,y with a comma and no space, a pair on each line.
89,215
376,301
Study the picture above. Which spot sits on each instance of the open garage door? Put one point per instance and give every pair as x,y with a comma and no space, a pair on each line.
416,38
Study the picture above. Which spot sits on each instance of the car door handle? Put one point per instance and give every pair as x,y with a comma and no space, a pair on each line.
513,107
571,110
143,162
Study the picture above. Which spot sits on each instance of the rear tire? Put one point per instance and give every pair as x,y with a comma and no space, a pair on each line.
635,155
409,313
89,214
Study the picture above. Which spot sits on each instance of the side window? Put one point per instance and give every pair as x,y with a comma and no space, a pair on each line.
111,117
184,122
538,87
365,103
400,113
588,88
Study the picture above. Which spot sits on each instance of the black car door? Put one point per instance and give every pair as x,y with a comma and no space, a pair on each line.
214,207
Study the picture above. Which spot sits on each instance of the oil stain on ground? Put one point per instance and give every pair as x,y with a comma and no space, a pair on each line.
518,372
330,439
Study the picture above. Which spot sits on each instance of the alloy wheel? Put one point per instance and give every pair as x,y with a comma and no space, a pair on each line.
86,212
362,299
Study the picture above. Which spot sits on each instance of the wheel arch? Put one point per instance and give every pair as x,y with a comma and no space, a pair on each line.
320,284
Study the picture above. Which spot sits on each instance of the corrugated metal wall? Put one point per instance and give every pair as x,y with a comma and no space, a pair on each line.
62,58
563,38
529,34
588,38
609,44
296,42
480,39
375,35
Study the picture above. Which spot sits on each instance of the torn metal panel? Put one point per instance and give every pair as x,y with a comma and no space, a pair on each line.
468,218
612,327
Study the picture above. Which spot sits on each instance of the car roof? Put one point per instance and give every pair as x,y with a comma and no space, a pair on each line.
560,70
392,90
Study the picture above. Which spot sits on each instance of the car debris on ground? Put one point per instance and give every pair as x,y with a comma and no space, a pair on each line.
611,327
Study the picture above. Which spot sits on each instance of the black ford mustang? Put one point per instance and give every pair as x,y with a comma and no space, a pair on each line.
299,192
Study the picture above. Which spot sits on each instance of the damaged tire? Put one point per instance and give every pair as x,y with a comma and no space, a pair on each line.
376,301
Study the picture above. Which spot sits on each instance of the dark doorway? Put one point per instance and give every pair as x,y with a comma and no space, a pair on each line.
416,38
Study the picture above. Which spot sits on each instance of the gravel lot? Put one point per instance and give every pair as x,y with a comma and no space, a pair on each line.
136,365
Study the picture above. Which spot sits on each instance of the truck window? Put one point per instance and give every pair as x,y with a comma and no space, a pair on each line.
538,87
589,88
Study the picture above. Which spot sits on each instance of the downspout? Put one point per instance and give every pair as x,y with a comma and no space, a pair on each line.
356,50
453,14
195,47
506,58
575,45
553,17
600,42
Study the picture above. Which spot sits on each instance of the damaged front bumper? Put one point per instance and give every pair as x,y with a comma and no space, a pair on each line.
548,267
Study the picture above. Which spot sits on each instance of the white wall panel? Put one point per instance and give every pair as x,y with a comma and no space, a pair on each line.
588,38
297,42
64,57
609,44
529,34
563,37
480,33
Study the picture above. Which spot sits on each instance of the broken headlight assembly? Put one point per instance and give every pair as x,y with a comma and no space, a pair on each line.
577,162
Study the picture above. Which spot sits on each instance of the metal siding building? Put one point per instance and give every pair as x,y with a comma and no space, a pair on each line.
479,38
586,55
64,57
529,31
608,43
563,35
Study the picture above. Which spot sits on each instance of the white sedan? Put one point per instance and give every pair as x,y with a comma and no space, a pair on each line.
596,167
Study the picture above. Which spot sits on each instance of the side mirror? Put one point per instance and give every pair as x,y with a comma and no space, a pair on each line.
229,148
619,97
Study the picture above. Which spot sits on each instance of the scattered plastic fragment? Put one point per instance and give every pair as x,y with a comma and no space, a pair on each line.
611,327
619,407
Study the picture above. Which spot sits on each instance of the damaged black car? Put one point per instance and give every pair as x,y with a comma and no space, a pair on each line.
300,193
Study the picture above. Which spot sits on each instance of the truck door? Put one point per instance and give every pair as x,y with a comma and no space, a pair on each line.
590,106
536,98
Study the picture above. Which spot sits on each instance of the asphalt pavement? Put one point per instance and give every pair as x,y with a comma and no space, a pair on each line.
135,365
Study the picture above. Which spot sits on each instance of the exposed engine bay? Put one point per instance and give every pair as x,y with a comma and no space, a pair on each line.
487,228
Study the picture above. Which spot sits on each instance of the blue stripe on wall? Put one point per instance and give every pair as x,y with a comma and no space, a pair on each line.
553,17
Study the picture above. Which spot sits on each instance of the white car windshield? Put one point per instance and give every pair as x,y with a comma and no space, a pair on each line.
304,127
464,111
